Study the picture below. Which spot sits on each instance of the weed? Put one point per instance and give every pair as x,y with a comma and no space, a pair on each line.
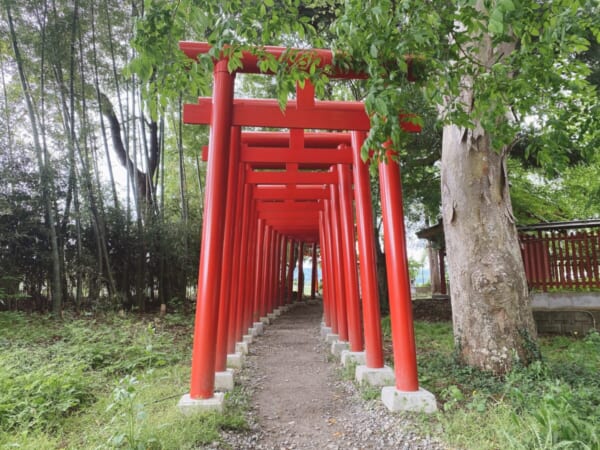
132,414
43,397
348,372
368,392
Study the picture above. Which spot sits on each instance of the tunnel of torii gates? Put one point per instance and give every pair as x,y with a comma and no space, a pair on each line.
272,196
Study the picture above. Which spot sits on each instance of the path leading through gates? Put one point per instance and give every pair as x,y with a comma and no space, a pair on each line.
300,400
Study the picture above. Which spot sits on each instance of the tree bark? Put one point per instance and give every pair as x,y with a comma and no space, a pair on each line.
491,311
142,181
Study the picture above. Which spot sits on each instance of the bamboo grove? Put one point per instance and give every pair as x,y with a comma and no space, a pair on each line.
95,193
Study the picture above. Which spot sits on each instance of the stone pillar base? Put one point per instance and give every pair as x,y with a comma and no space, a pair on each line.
349,357
235,360
188,405
375,377
416,401
224,380
338,346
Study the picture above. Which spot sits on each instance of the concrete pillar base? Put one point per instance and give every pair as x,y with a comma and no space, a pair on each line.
332,337
259,327
284,308
276,312
248,338
417,401
271,317
188,405
349,357
224,380
265,320
235,360
241,347
325,331
338,346
375,377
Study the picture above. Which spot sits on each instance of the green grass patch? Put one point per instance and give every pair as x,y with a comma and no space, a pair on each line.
552,404
103,382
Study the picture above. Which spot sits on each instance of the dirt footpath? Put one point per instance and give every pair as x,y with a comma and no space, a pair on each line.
300,401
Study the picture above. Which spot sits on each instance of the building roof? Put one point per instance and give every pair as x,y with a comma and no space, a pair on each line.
435,233
572,224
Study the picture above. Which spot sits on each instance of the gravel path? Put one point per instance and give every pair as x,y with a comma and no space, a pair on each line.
300,401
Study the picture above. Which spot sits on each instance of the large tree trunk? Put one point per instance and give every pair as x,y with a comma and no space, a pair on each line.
493,322
491,310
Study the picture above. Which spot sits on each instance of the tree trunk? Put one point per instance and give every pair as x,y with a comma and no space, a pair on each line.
491,311
384,301
434,268
45,181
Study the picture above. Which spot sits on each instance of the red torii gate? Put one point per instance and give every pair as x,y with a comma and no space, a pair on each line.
260,203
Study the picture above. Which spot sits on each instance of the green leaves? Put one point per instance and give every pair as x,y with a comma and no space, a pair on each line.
496,22
513,60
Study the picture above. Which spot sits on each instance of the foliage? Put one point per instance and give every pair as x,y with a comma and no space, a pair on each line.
231,27
550,404
102,382
41,398
114,250
540,76
124,396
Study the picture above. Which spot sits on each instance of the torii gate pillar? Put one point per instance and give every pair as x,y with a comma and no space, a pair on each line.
202,380
406,395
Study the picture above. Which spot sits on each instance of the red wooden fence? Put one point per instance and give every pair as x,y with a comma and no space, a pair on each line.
561,259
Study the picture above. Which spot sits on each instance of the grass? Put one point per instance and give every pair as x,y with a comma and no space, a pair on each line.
552,404
101,382
110,382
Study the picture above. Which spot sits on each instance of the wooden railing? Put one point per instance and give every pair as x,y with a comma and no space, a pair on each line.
561,259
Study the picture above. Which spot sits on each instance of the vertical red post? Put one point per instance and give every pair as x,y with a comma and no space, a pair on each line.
275,271
300,270
290,276
251,267
329,277
403,339
355,334
282,276
314,279
265,271
260,234
243,289
235,328
202,378
328,304
337,264
224,345
366,252
269,238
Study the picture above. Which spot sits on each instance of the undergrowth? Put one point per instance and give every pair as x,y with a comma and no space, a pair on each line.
102,382
554,403
112,382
